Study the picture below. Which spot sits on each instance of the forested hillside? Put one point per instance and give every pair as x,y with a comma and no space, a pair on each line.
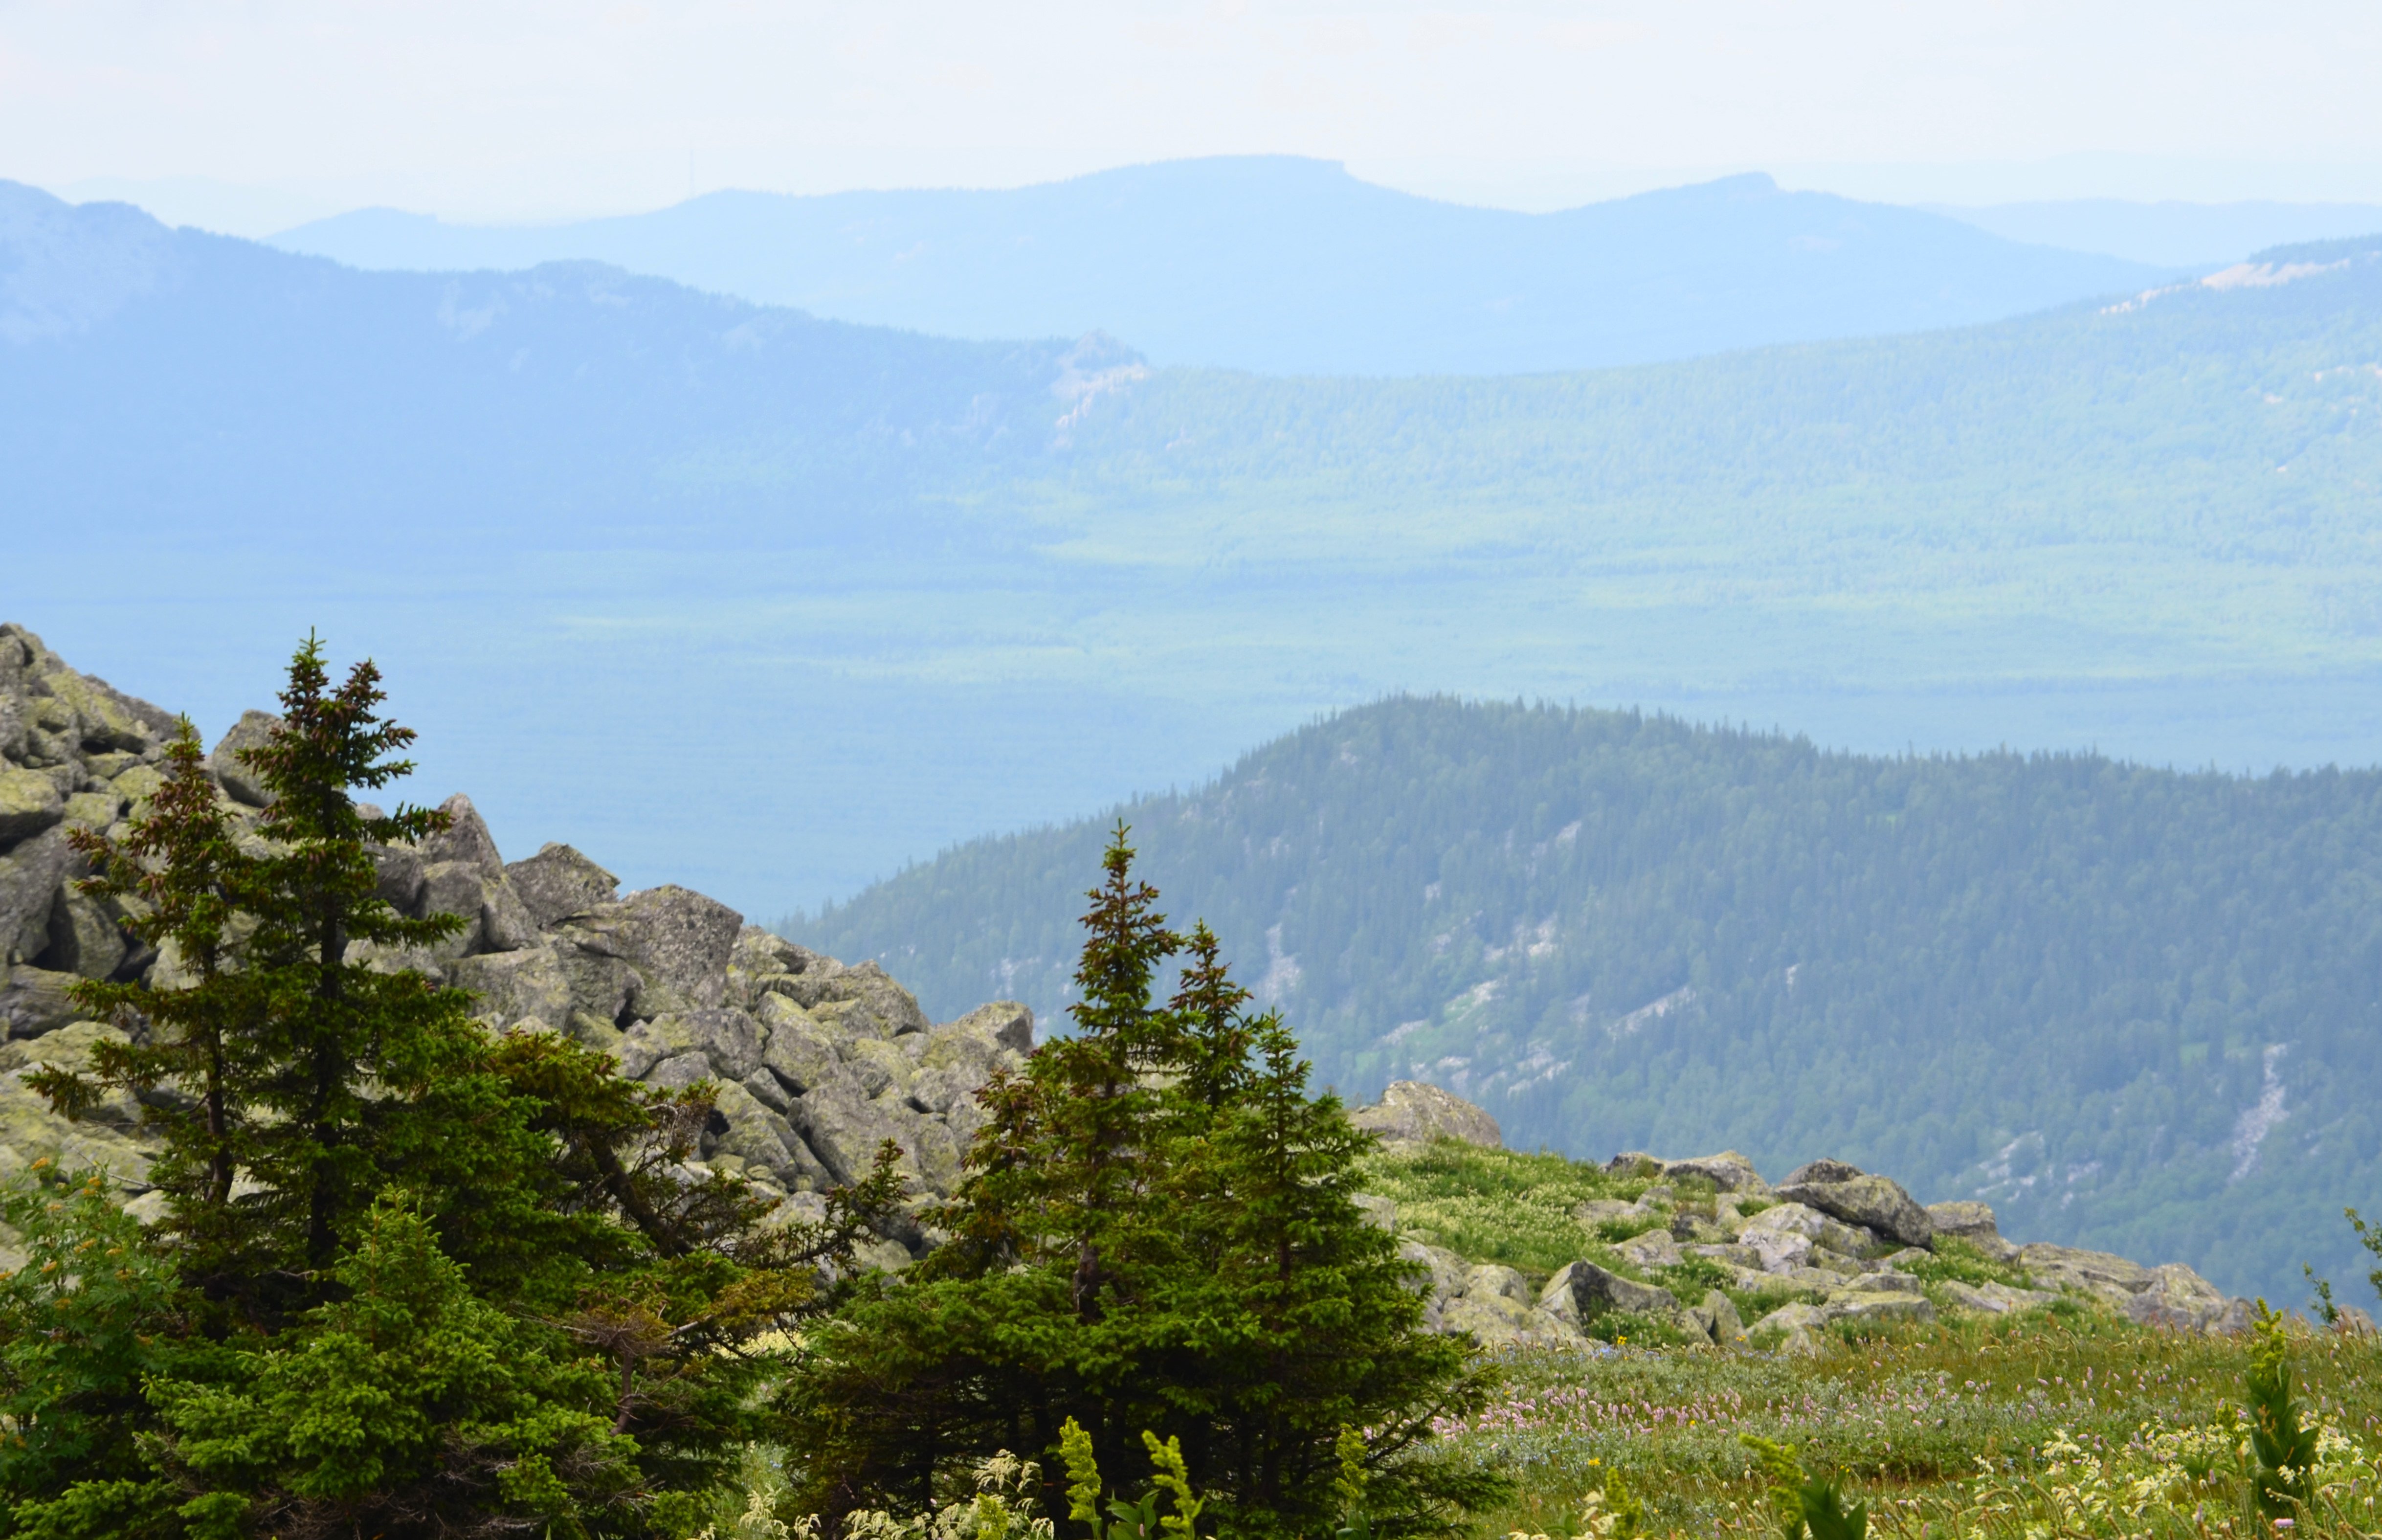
2129,1007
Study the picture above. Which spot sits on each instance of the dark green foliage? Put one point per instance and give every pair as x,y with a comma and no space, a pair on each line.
2051,982
82,1324
1156,1235
2284,1446
414,1278
1805,1504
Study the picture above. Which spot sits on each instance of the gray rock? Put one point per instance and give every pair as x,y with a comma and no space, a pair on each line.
512,987
676,941
28,803
796,1048
1864,1305
1635,1163
30,877
84,937
1728,1170
1604,1210
465,839
1802,1324
2100,1274
1379,1212
33,1002
1973,1223
1876,1203
1719,1314
1803,1219
2180,1299
399,877
243,786
558,882
1653,1249
600,979
729,1042
858,1002
1993,1298
506,924
1823,1171
1580,1291
461,889
1412,1112
1008,1023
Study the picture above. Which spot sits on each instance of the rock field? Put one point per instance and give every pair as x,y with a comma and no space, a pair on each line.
816,1062
1843,1241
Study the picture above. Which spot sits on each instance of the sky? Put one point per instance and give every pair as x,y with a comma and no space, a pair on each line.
250,116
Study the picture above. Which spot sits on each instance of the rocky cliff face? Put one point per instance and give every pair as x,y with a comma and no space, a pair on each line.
816,1062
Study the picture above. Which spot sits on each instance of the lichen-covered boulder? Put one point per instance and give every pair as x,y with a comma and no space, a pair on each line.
558,882
1580,1291
1412,1112
243,784
1728,1170
1876,1203
28,803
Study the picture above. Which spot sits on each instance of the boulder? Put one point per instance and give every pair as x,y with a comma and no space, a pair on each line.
1728,1170
676,944
512,987
1802,1325
29,878
1604,1210
461,889
796,1050
28,803
1413,1113
2100,1274
1823,1171
33,1002
1876,1203
253,729
1801,1219
1858,1304
1973,1223
1651,1250
465,839
2180,1299
728,1042
1717,1314
1580,1291
558,882
399,877
85,939
857,1002
1008,1023
1993,1298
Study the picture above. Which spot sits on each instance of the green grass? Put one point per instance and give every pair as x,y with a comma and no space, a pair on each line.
1905,1415
1502,1205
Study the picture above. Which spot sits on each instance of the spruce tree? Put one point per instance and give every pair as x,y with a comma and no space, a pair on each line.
414,1277
1157,1235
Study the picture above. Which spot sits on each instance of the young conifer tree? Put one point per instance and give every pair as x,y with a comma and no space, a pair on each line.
1157,1235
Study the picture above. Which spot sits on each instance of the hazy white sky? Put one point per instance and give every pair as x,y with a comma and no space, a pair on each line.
275,110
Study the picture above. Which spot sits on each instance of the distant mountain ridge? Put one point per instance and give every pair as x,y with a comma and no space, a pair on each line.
768,604
1289,266
2132,1009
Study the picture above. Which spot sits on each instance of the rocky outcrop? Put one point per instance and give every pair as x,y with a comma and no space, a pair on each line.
1848,1244
815,1063
1411,1112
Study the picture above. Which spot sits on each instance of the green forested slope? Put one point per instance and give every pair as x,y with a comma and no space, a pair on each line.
2129,1007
